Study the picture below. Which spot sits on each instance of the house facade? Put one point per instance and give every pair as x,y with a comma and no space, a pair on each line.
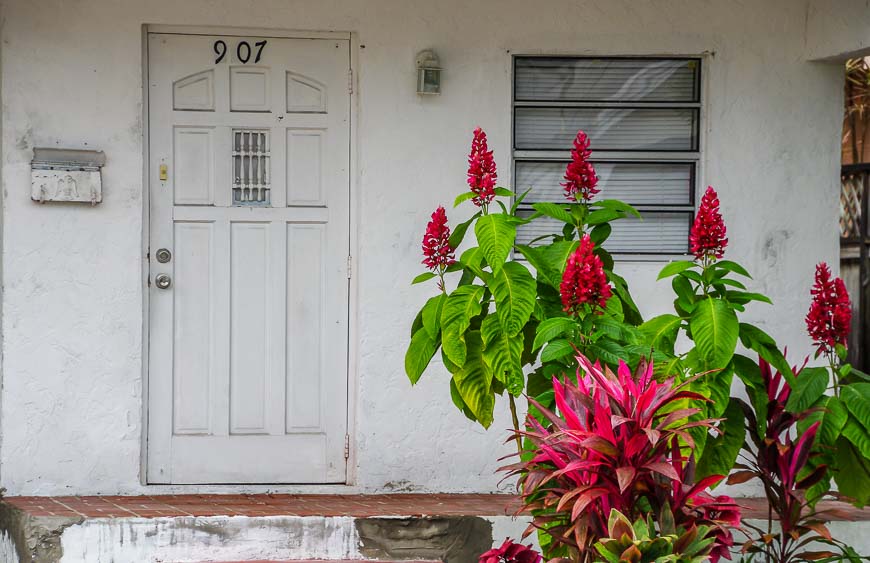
233,314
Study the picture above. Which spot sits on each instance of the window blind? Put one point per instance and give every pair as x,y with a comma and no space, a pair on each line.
642,116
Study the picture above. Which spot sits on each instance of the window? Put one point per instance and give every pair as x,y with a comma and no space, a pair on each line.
642,116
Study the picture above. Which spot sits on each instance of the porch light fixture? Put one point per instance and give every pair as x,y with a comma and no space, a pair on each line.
428,73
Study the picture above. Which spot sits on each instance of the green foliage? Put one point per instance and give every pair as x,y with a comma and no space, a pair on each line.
641,543
505,316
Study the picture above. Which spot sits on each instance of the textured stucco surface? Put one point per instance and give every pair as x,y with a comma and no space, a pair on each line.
837,29
73,279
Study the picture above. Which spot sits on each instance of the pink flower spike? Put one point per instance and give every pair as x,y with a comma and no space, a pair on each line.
580,177
829,320
436,242
707,236
584,280
482,174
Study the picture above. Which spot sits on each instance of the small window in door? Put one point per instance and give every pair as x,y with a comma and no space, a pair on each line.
251,172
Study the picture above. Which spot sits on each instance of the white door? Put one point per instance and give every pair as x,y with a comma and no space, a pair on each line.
249,173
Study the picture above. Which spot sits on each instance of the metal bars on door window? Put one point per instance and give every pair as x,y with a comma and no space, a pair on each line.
251,171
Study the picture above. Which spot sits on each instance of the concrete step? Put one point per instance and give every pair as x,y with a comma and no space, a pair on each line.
284,528
262,528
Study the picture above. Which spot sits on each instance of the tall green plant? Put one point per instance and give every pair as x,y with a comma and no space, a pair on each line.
709,299
505,316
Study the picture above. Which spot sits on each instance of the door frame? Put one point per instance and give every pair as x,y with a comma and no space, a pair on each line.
353,229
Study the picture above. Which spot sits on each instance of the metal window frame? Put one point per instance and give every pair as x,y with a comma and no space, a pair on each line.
697,86
692,157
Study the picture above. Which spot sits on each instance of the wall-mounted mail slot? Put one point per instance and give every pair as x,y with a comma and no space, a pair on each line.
66,175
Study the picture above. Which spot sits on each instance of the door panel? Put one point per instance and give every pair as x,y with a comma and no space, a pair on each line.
248,345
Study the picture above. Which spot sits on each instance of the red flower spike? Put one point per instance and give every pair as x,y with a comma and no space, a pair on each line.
436,242
580,177
584,280
482,174
511,552
707,237
829,320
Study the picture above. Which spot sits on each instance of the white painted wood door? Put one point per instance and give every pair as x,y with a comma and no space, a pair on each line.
249,191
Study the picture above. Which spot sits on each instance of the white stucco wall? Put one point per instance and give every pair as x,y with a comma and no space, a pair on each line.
73,276
837,29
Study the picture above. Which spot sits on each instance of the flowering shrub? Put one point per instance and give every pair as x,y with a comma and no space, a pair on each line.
500,317
618,441
615,448
779,457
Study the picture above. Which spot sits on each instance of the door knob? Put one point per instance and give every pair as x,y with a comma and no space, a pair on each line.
163,281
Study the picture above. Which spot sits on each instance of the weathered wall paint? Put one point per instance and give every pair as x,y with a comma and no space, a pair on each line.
139,540
837,29
73,276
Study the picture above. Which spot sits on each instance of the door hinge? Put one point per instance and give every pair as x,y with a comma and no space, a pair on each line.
350,81
346,446
349,266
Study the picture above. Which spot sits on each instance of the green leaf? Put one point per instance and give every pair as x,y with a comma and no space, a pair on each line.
458,234
460,307
456,397
472,260
555,255
518,200
733,267
425,276
714,329
661,332
616,205
721,451
808,387
557,349
856,397
419,354
503,355
463,197
859,436
432,315
853,477
763,344
600,233
674,268
474,382
514,290
608,351
602,216
832,416
551,328
495,235
504,192
554,211
743,297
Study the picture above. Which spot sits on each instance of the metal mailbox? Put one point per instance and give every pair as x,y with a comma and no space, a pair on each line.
66,175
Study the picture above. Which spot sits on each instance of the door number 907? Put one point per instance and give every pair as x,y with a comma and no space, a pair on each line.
244,51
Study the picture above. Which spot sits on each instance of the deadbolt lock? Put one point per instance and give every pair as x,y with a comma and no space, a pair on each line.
163,255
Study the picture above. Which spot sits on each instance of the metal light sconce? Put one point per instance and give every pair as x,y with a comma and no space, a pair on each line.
428,73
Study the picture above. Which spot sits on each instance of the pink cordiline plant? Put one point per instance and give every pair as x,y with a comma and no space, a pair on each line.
618,441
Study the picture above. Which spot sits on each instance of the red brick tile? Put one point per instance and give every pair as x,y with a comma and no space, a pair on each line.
152,506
